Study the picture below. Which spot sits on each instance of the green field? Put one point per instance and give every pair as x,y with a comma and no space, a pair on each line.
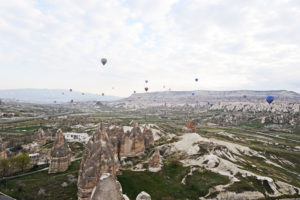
166,184
28,187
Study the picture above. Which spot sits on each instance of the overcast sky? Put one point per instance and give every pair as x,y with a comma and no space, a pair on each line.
227,44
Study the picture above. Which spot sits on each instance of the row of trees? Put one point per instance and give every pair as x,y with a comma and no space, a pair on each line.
9,166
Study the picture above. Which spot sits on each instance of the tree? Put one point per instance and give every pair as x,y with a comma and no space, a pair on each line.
23,161
4,166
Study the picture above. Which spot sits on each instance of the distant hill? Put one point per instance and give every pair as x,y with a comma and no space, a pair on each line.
183,97
51,95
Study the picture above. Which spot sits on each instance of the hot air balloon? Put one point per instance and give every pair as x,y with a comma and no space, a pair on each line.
71,101
102,94
134,91
103,61
146,89
270,99
70,90
193,93
196,79
146,81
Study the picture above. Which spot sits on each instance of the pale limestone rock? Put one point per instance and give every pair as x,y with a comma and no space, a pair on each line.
108,188
143,196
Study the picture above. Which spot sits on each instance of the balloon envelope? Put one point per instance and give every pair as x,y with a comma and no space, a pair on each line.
146,89
196,79
103,61
146,81
134,91
71,90
270,99
193,93
102,94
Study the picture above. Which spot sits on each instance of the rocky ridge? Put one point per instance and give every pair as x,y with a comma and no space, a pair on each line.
104,151
232,113
108,188
226,158
60,154
204,96
98,158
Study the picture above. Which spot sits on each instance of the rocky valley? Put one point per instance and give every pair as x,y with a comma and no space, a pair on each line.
124,149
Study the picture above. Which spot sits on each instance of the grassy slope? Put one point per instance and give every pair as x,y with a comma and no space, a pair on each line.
51,183
166,184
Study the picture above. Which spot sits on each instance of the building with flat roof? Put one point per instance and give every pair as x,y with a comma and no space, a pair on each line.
77,137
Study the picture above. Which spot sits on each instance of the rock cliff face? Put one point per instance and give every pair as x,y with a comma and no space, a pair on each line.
116,135
98,158
2,150
102,153
131,142
60,154
155,162
41,137
190,127
108,188
148,138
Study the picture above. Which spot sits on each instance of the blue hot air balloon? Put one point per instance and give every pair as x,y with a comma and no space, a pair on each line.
270,99
193,93
71,101
196,79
